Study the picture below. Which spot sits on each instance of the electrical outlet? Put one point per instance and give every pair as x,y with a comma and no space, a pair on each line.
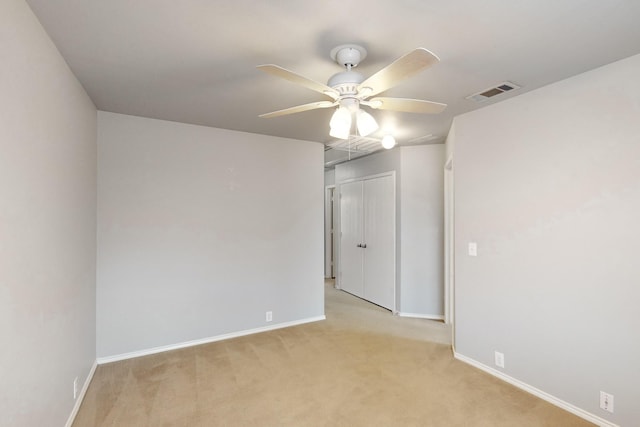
75,388
606,401
499,359
473,249
269,316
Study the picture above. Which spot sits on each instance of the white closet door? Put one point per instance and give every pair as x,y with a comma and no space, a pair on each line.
351,239
379,232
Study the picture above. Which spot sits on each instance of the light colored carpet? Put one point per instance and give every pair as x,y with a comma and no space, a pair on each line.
360,367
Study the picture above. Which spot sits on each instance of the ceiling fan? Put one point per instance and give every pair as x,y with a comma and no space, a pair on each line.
348,90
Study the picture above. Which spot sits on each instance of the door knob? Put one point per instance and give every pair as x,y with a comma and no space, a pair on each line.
359,245
364,245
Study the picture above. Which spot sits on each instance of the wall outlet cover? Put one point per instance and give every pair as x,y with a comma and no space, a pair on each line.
499,359
606,401
473,249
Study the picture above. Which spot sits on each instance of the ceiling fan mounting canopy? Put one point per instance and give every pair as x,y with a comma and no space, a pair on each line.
348,55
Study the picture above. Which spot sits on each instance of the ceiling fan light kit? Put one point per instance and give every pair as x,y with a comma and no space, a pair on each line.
388,142
340,124
349,90
366,123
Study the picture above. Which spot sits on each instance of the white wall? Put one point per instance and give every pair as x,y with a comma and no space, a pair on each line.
203,230
548,185
422,230
47,225
329,177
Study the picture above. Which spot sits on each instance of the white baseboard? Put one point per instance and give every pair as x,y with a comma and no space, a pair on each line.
154,350
536,392
80,397
422,316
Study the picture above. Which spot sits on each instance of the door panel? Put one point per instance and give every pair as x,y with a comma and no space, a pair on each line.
351,227
379,232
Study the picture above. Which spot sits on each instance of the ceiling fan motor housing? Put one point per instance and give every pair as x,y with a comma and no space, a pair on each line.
346,82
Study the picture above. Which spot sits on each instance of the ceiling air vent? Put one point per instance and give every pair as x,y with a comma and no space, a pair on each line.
491,92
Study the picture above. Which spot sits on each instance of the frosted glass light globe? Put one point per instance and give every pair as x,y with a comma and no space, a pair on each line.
388,142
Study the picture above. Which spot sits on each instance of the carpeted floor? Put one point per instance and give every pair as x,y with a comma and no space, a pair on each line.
360,367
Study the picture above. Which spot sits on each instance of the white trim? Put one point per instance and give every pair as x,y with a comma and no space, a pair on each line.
161,349
422,316
329,249
395,241
449,249
537,392
449,163
80,398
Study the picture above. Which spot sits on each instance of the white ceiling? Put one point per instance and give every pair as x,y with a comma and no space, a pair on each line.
193,61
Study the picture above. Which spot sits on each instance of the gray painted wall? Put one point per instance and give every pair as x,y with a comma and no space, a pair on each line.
382,161
47,225
548,185
203,230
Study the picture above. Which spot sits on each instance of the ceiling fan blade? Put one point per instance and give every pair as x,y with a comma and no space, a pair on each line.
283,73
400,69
405,104
299,109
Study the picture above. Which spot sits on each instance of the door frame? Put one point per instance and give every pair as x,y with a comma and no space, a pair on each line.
449,246
329,232
338,232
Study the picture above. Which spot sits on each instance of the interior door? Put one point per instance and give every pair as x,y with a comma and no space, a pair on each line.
379,238
351,227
